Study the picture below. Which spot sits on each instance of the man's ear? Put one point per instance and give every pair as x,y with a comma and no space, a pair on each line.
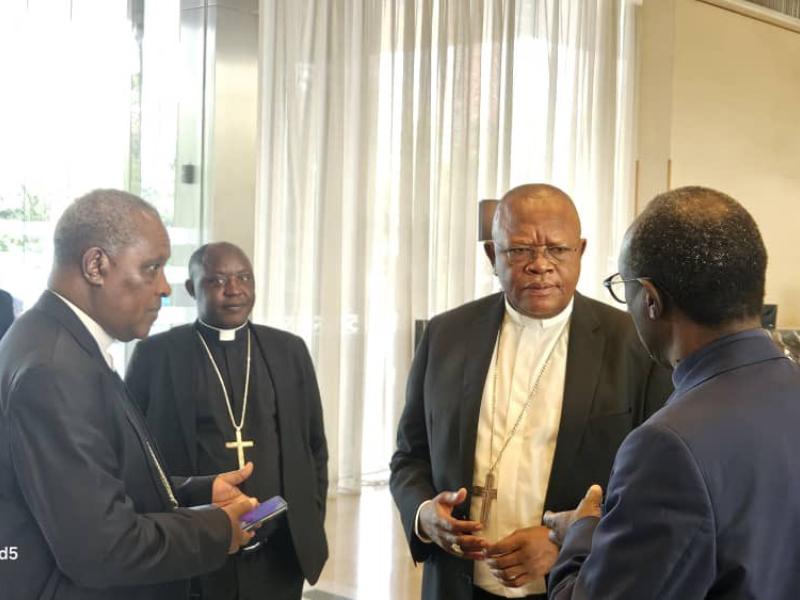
653,301
582,247
95,265
189,285
488,248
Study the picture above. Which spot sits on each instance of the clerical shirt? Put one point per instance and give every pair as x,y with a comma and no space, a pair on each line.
214,428
523,472
244,574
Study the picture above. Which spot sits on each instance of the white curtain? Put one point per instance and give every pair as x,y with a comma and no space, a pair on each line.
382,123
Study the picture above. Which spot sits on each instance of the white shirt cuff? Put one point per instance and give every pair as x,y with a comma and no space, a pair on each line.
420,537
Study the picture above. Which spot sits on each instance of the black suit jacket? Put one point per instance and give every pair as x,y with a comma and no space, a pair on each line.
611,386
704,499
81,499
160,376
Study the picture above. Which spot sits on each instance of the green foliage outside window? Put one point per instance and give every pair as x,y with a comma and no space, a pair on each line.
25,208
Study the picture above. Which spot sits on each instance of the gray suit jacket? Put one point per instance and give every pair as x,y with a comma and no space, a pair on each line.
81,499
611,386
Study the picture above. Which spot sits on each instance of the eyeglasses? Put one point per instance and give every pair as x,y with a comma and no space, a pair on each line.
615,284
523,255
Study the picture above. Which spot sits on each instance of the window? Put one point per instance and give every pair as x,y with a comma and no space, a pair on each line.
92,92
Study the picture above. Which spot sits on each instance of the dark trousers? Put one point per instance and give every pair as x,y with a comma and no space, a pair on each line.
270,573
482,594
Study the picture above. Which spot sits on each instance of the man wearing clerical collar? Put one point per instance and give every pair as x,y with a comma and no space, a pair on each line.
515,404
223,392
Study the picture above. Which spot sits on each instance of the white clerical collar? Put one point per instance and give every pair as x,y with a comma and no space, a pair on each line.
101,337
524,321
225,335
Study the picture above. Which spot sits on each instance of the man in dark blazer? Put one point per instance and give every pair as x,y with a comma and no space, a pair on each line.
196,383
87,510
610,386
704,501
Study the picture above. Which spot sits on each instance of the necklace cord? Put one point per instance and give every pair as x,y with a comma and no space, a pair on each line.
531,394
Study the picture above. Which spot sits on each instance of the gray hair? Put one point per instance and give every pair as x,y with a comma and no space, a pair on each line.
102,218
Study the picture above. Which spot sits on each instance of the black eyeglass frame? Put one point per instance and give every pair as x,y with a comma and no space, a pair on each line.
608,284
550,252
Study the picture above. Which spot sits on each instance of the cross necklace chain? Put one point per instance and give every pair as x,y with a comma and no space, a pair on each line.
239,444
488,491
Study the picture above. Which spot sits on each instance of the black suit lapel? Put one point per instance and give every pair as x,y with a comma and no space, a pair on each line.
584,362
277,363
155,462
185,360
478,348
54,306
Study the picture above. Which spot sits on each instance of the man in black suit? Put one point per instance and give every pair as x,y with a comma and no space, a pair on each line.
704,500
222,380
515,404
85,500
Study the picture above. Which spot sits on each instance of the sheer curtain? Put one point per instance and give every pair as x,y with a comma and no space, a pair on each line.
382,123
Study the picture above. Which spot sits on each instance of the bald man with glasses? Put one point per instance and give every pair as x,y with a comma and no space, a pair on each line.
515,404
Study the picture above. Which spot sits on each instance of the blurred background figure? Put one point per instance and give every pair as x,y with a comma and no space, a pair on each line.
6,312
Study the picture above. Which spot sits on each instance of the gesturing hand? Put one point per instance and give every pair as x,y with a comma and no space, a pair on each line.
523,556
224,489
451,535
589,506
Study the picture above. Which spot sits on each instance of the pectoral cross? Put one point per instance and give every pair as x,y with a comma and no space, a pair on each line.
240,445
489,493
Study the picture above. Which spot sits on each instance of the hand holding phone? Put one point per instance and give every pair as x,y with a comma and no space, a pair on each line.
234,511
265,511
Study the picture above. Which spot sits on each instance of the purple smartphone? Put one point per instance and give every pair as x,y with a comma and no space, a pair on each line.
263,512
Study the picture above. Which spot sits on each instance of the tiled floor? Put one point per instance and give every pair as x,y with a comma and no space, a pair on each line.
369,557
